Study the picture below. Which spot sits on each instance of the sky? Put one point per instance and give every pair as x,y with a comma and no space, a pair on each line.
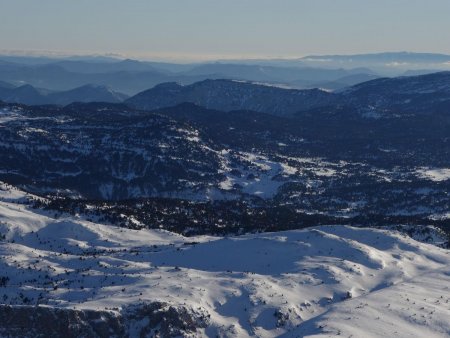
223,29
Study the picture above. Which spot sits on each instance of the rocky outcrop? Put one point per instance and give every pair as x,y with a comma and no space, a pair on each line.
144,320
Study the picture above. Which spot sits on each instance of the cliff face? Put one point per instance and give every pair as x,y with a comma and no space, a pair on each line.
150,319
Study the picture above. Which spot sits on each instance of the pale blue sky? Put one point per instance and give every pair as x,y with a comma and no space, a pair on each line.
199,29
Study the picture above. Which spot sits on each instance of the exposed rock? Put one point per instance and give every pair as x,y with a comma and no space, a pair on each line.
145,320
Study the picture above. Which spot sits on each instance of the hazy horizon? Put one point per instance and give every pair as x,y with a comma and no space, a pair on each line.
199,30
67,55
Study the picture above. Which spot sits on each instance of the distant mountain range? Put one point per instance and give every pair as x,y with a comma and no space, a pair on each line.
391,64
27,94
131,77
329,72
399,57
378,98
385,97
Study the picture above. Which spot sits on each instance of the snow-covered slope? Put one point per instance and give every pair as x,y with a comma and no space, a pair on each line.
317,282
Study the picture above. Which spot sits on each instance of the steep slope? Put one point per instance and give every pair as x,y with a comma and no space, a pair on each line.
402,96
29,95
345,82
5,85
227,95
321,281
87,93
25,94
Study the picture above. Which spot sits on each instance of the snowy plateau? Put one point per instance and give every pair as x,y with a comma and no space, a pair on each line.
63,275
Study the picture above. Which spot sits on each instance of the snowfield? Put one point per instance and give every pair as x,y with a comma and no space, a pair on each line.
318,282
436,175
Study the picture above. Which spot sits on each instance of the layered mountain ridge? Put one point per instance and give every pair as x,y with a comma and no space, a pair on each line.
27,94
377,98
